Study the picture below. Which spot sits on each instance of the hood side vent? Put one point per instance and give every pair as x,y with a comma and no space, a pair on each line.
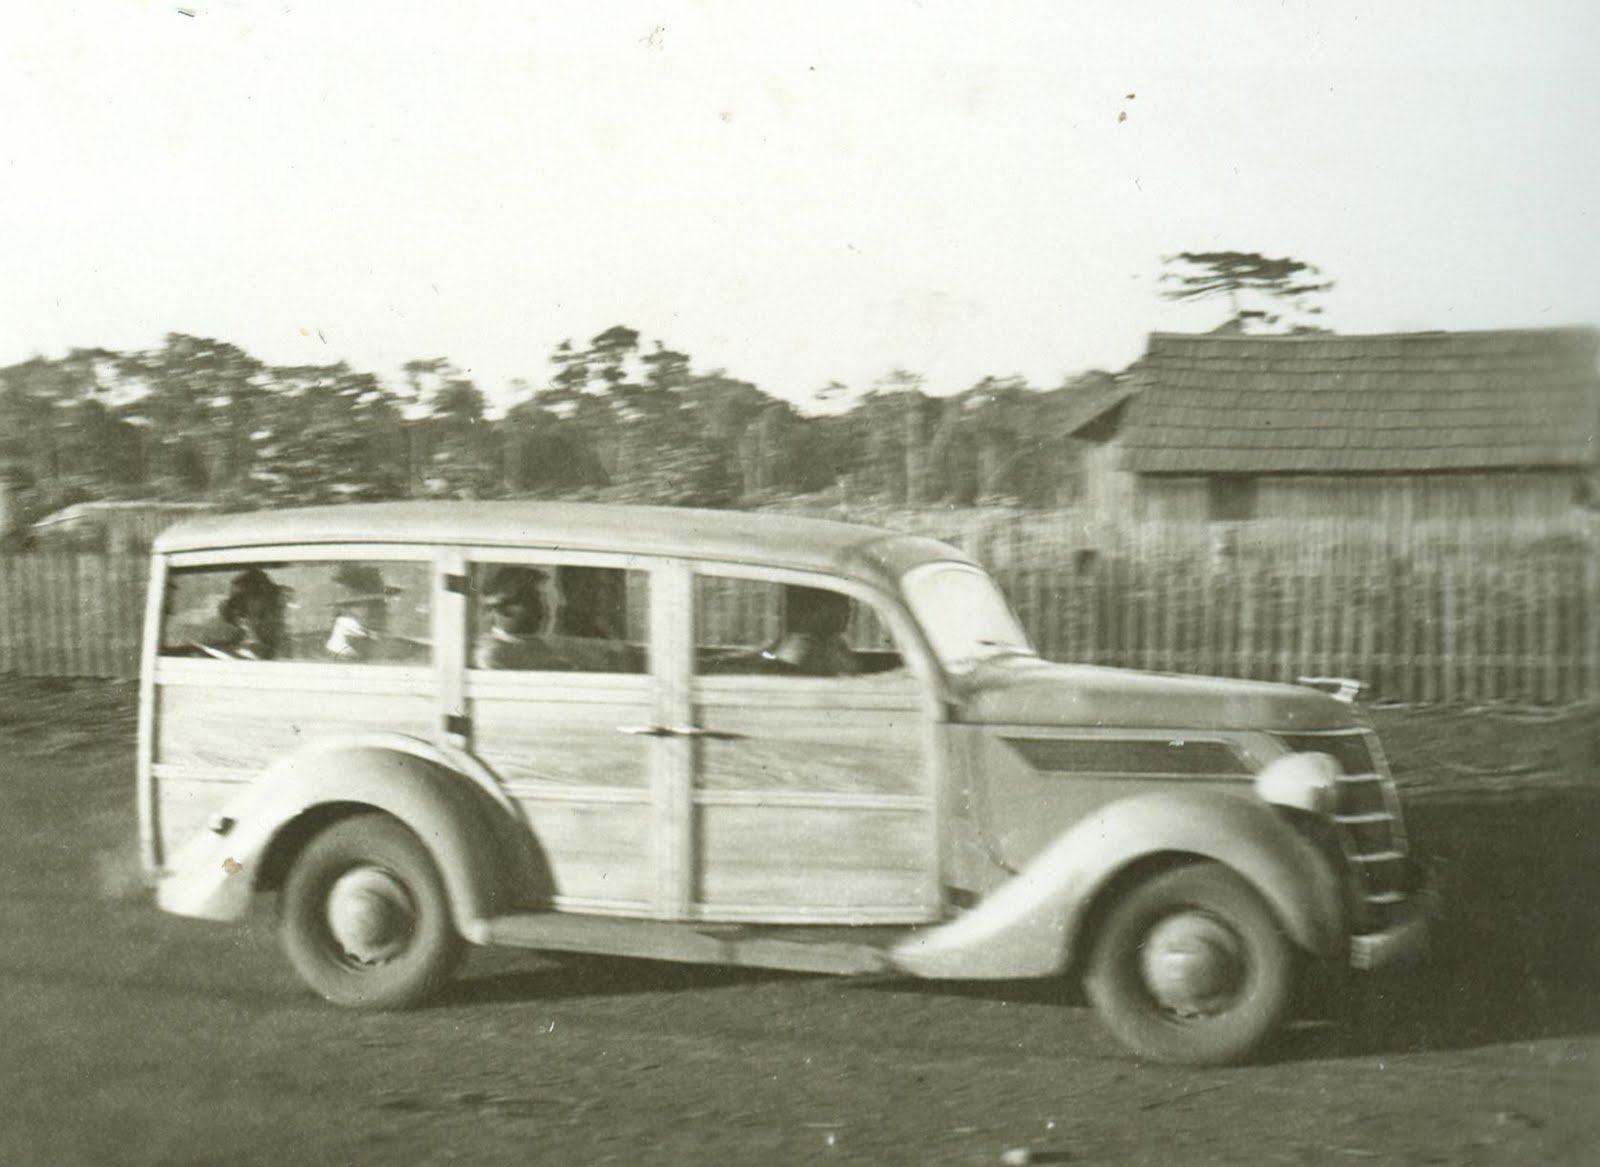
1131,757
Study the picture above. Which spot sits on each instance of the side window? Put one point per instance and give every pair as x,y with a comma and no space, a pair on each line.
756,627
239,612
530,617
349,612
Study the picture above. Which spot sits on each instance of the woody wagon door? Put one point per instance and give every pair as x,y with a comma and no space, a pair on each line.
811,754
559,700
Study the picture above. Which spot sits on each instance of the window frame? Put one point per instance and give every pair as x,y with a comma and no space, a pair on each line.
889,608
478,556
407,674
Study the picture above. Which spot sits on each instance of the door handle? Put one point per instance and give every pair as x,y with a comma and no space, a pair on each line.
679,731
716,735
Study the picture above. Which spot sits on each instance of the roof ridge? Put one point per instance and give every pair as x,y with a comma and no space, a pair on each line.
1335,337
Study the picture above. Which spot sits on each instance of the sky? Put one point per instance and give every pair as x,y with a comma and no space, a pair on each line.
796,193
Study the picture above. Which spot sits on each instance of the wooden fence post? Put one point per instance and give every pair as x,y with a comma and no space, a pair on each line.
1590,607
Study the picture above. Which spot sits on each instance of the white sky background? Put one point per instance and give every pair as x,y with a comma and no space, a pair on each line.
794,192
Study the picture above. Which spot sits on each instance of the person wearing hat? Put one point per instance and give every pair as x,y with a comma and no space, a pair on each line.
361,613
515,599
249,624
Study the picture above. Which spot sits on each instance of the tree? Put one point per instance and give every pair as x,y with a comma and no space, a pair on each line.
1282,283
659,430
459,461
196,399
326,433
546,454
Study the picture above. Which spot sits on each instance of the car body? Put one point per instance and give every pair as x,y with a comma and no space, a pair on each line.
742,739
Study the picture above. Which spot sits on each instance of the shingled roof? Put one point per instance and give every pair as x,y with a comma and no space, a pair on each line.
1326,404
1093,412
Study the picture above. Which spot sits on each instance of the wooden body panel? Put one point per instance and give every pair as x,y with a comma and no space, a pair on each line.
831,748
228,719
584,785
218,724
600,853
811,863
814,801
556,732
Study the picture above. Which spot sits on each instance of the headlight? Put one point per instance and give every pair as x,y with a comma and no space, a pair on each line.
1302,781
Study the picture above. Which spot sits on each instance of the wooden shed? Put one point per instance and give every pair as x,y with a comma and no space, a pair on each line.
1492,425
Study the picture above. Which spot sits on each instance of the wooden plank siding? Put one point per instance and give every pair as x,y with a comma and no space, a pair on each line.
1394,501
1447,611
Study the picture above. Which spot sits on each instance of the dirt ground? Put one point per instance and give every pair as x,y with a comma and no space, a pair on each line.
127,1036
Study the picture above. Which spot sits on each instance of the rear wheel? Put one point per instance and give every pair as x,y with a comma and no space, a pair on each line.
1191,967
365,920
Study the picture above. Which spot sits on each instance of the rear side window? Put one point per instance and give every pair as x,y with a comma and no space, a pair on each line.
345,612
547,617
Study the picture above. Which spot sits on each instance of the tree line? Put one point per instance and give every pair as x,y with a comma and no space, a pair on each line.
614,419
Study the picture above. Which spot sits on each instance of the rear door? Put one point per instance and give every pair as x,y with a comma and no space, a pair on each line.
559,699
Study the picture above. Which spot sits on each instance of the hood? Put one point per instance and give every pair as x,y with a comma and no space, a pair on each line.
1030,691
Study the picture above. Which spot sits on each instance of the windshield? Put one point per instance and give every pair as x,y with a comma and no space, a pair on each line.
965,617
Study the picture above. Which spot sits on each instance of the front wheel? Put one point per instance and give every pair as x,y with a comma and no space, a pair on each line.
1191,967
365,920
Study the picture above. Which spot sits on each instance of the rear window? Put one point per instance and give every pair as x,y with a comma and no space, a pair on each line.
345,611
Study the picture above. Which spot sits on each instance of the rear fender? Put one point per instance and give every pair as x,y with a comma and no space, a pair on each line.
485,854
1034,924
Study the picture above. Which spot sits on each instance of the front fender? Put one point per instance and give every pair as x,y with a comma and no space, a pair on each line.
486,857
1033,924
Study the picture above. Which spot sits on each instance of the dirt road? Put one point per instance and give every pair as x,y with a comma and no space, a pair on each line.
130,1037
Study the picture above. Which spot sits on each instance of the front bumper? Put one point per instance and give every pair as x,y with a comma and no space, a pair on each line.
1405,940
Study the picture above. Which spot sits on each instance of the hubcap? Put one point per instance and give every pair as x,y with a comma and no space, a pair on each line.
370,914
1193,964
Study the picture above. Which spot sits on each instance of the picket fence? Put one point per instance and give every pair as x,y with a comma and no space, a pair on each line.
71,614
1437,620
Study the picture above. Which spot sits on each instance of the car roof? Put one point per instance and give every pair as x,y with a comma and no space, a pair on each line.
775,540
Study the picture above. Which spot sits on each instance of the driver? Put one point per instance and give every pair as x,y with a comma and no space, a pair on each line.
813,642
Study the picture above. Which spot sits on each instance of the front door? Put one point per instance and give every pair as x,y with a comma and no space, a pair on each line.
811,756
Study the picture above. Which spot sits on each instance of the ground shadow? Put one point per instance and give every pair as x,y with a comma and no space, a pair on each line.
570,976
1516,947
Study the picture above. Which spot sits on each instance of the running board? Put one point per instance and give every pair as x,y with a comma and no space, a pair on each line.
842,951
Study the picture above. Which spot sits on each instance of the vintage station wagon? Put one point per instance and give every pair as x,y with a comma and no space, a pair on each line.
739,739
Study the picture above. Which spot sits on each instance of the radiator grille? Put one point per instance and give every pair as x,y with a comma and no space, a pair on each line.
1366,817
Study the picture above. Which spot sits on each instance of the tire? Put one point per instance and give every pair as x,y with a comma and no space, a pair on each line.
1191,967
365,920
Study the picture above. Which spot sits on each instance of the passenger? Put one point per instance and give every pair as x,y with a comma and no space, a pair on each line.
813,643
519,615
250,619
593,603
361,613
